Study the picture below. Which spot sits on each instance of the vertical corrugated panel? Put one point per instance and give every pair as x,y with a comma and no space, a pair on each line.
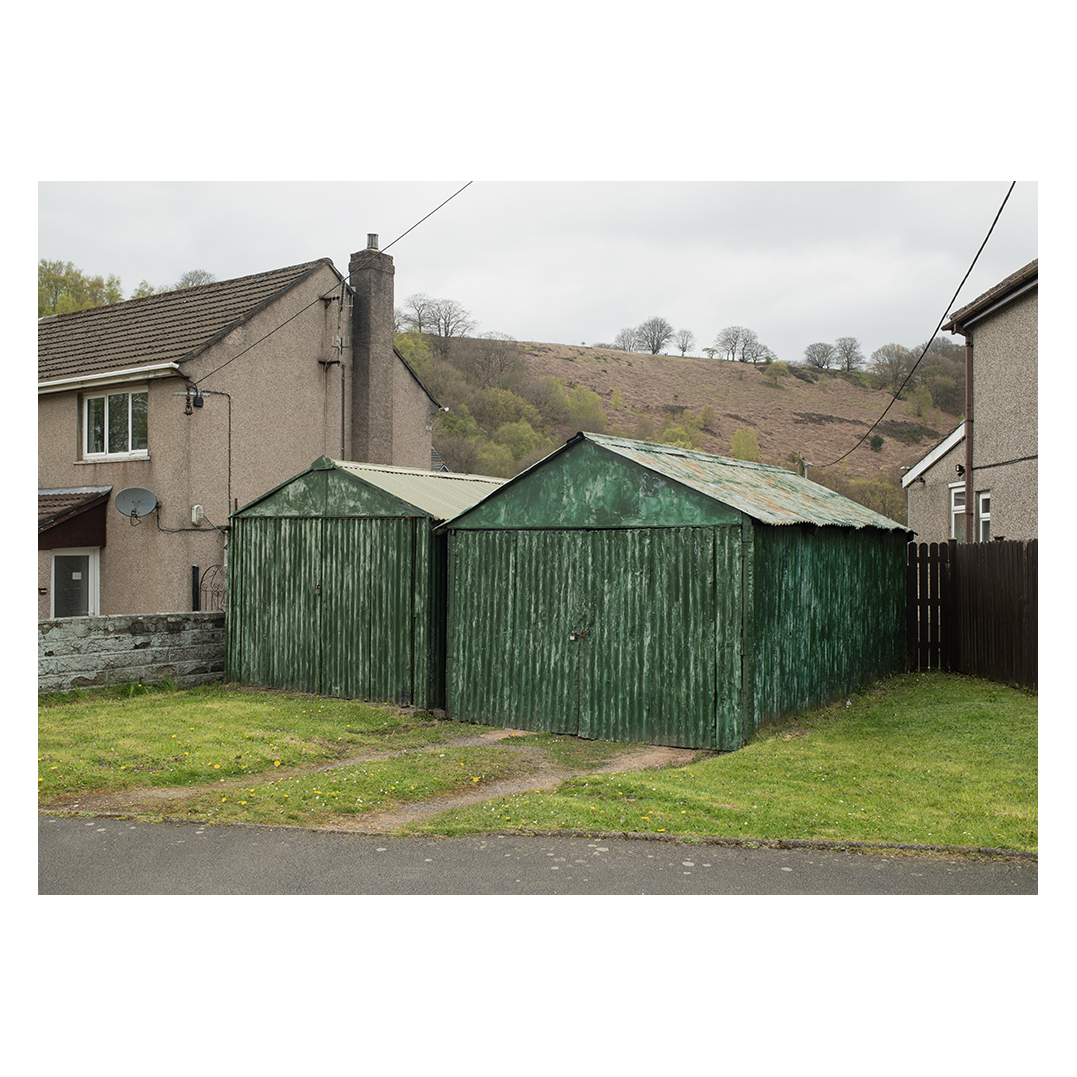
332,606
659,612
481,592
550,604
368,609
437,614
829,614
273,604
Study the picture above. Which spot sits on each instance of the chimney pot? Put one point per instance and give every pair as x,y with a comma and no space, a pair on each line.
372,241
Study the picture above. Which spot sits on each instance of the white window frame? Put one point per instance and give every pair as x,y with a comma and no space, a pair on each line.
957,512
983,517
104,394
93,584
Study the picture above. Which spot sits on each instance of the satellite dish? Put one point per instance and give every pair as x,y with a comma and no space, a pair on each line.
135,502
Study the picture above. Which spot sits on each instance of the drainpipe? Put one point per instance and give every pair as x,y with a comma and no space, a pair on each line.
970,498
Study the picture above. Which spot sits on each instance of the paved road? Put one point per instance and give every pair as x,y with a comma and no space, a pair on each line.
119,856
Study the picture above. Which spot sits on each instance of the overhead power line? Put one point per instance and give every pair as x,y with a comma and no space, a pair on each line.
325,295
931,338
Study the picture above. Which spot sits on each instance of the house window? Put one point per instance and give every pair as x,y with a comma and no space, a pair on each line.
116,424
76,583
957,512
985,516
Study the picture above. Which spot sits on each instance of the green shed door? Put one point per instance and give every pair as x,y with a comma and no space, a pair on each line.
629,635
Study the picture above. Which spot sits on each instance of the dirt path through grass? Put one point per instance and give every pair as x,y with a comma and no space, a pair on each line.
153,800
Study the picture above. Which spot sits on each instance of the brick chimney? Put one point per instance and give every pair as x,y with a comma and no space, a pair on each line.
370,273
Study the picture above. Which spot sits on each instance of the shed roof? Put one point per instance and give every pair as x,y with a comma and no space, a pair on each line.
763,492
441,494
158,329
373,490
772,495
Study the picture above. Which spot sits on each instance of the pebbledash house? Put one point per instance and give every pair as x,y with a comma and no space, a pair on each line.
158,417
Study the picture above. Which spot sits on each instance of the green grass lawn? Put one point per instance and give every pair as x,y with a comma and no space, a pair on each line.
96,741
921,759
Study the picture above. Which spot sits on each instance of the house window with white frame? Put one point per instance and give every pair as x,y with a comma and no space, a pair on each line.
957,512
984,515
116,424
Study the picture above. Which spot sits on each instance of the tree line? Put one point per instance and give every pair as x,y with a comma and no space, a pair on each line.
63,288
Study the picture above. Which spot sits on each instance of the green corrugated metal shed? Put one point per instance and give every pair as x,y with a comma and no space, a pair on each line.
336,582
626,591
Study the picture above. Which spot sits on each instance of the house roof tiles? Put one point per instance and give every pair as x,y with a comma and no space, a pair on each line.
1015,282
166,328
55,506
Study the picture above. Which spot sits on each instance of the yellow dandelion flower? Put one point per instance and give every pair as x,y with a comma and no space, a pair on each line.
276,762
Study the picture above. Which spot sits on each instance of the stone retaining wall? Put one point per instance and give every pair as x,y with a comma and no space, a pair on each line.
87,652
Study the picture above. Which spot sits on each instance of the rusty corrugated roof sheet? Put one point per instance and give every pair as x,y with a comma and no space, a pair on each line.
165,328
767,493
440,494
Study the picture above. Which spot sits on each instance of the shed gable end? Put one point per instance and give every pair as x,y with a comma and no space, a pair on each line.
332,493
585,486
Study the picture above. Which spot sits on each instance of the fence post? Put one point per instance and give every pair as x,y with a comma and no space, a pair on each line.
951,635
912,609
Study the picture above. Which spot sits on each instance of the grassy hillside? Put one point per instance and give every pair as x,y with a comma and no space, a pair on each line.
512,402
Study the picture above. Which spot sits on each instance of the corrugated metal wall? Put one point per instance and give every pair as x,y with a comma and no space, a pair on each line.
617,634
334,606
829,613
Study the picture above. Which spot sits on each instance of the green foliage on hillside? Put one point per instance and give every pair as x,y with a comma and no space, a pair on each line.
881,493
502,420
746,445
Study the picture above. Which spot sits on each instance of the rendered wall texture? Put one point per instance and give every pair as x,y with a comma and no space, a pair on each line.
85,652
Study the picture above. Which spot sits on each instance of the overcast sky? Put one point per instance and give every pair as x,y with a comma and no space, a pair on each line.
575,262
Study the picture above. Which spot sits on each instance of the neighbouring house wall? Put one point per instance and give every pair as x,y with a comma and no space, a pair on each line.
929,501
413,422
84,652
1006,417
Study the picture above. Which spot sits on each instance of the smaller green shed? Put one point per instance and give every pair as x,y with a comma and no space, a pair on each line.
336,582
626,591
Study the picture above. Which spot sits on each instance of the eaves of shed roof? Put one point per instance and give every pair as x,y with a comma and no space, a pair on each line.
1001,293
160,329
769,494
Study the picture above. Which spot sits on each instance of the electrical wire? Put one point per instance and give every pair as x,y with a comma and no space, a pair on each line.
931,338
326,295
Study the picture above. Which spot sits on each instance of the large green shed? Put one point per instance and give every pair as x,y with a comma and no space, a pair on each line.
625,591
336,582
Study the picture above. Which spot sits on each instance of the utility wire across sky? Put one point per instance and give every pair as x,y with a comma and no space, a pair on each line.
949,306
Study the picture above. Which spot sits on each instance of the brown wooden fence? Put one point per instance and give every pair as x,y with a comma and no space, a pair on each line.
973,608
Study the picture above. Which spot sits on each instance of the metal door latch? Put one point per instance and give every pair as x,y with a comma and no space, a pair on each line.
575,637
